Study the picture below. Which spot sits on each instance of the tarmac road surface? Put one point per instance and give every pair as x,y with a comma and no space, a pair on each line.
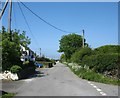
59,81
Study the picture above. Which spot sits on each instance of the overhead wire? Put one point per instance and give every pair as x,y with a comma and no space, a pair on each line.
45,20
27,24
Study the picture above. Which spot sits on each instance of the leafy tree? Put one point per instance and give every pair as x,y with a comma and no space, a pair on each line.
11,49
24,41
69,44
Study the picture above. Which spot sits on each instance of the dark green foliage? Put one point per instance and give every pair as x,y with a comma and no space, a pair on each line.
15,69
27,64
11,49
43,59
101,62
107,49
78,55
8,95
28,68
10,54
69,44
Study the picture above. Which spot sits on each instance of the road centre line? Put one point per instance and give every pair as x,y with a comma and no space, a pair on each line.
98,89
102,93
95,86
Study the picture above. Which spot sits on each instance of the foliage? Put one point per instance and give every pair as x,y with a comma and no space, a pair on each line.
11,49
107,49
101,62
69,44
28,68
15,69
63,58
8,95
43,59
93,76
24,41
77,57
28,64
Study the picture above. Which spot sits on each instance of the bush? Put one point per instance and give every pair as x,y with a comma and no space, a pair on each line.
15,69
62,58
101,62
78,55
107,49
43,59
28,68
28,64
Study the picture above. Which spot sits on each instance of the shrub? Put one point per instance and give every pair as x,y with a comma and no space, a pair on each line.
62,58
28,68
15,69
28,64
101,63
78,55
107,49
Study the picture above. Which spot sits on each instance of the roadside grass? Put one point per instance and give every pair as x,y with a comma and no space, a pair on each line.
8,95
93,76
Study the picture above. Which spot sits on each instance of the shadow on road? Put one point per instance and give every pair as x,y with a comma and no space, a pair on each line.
40,72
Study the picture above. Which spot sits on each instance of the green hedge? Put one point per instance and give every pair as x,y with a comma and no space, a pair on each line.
101,62
107,49
78,55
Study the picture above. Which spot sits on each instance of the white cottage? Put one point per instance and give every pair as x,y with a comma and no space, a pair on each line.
27,55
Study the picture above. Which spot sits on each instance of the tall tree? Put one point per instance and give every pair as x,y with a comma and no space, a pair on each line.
69,44
11,49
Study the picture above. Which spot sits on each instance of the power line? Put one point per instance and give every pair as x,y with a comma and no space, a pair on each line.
43,19
27,23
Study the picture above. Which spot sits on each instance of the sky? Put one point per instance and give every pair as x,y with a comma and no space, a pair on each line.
98,19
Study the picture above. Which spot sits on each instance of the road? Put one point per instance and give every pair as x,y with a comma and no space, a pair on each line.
59,81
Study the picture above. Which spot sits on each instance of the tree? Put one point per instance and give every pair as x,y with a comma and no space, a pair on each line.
69,44
11,49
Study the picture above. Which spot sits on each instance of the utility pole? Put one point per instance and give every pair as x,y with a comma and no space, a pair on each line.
9,20
83,38
40,52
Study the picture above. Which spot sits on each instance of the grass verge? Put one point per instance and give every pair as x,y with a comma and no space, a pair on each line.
8,95
93,76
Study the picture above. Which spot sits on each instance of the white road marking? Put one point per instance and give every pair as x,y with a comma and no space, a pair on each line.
92,84
98,89
95,86
102,93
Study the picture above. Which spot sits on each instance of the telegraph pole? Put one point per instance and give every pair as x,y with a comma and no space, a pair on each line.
83,38
40,52
9,20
